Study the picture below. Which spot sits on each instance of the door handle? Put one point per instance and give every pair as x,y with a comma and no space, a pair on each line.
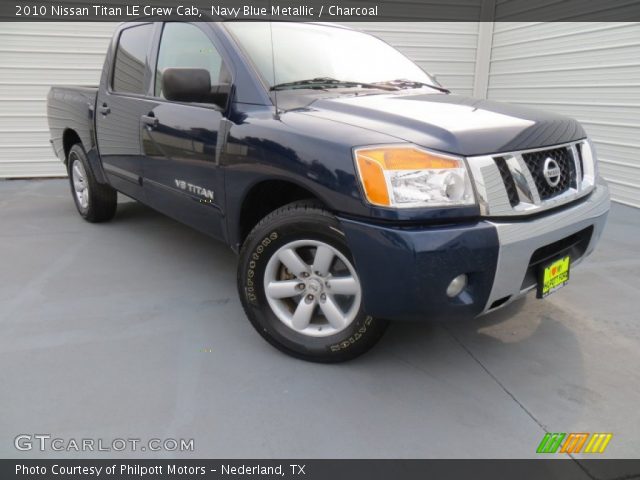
104,109
150,120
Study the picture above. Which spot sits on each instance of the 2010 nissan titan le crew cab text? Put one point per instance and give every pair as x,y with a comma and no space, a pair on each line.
354,187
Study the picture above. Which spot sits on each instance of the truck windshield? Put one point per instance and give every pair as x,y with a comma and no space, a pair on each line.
309,51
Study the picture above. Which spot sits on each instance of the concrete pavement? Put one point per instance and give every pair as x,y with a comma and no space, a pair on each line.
133,328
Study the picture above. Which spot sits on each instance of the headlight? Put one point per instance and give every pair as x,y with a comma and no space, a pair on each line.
406,176
589,163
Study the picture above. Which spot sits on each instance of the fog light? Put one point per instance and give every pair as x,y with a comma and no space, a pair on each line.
457,285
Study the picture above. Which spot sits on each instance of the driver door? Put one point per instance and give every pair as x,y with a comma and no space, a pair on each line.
182,176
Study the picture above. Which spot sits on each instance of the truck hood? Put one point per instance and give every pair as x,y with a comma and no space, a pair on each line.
450,123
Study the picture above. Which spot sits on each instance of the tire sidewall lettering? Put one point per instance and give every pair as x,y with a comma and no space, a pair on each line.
256,255
357,335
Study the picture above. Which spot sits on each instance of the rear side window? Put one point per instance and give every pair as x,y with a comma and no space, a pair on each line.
186,46
131,57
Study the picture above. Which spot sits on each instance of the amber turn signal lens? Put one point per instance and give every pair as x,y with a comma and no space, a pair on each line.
373,180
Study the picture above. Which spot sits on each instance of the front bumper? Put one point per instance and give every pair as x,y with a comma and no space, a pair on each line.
405,271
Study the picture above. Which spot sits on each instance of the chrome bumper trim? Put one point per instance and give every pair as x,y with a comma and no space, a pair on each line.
518,241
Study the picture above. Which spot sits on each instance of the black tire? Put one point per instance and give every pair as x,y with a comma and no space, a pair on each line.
101,200
300,222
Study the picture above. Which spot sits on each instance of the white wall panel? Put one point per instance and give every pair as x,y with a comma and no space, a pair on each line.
34,56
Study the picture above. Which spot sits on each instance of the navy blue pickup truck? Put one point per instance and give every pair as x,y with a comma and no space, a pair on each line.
354,187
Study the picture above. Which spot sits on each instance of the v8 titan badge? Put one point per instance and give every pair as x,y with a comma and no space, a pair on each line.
554,276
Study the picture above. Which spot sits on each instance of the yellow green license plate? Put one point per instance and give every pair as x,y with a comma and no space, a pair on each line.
553,276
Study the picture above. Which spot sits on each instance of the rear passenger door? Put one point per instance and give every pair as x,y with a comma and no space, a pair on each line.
120,103
182,177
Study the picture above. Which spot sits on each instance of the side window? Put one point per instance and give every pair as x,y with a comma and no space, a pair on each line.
186,46
131,56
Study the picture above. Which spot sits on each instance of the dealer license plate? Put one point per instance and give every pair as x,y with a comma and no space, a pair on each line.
553,276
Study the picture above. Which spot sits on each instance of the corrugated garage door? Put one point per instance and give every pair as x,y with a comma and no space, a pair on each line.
34,56
590,71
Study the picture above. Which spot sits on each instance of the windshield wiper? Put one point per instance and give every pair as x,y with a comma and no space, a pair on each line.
323,82
404,83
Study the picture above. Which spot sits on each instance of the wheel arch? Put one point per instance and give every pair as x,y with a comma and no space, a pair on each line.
264,197
70,138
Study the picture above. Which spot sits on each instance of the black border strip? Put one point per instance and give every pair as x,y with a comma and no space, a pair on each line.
326,10
562,468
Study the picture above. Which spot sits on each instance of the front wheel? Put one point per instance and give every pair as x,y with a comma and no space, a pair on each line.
300,288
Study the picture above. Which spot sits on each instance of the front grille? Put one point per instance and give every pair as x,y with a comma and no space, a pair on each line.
514,183
564,158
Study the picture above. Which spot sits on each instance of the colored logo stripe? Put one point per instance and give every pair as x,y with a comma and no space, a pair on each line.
550,443
598,443
574,443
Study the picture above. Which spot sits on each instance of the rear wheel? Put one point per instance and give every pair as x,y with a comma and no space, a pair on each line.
95,202
300,288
